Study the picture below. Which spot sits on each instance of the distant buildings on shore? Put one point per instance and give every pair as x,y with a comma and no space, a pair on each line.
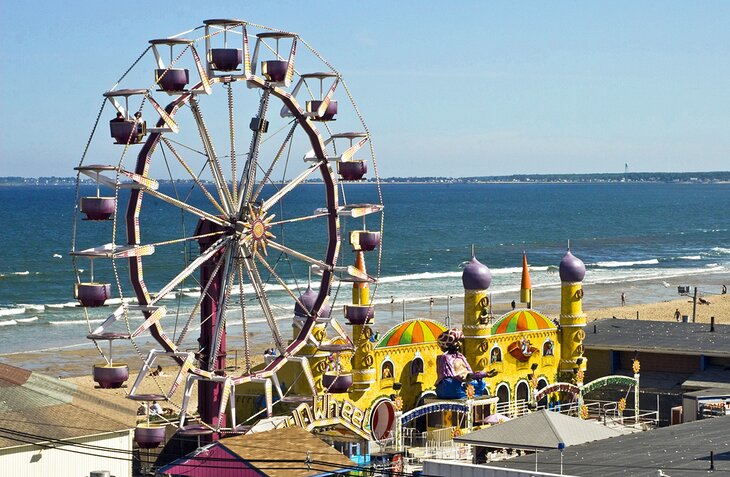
650,177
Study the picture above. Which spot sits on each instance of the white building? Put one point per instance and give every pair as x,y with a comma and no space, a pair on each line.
49,427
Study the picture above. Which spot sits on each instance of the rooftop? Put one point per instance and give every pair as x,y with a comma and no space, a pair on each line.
274,453
37,408
658,336
680,450
539,430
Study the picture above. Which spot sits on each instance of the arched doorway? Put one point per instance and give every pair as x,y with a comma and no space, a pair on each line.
503,395
522,396
543,402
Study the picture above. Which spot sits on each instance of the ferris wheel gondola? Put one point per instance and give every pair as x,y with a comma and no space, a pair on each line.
254,221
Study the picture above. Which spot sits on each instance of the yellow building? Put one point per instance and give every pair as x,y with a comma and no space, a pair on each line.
365,384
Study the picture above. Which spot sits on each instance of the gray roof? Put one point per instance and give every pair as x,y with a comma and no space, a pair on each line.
658,336
539,430
712,377
679,451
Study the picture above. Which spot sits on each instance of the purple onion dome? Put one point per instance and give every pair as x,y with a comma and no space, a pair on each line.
307,300
572,269
476,275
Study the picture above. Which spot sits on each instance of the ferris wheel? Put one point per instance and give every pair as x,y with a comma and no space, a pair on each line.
227,189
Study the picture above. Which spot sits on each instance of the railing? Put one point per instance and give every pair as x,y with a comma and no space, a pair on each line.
513,409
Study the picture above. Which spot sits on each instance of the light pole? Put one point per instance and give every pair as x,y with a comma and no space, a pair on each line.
561,446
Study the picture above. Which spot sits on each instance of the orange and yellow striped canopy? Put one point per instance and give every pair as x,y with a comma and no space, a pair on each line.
522,320
412,332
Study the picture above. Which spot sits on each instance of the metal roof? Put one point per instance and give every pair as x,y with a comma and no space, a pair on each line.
539,430
658,336
679,451
39,408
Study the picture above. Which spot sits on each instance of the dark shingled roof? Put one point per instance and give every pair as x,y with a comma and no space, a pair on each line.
40,405
680,450
658,337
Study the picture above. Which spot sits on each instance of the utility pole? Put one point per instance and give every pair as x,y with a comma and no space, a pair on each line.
694,306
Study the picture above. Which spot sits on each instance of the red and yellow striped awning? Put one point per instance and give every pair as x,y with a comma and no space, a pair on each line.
522,320
412,332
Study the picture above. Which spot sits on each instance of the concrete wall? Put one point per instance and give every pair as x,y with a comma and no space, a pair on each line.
71,460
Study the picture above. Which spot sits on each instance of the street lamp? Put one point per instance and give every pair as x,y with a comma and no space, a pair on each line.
561,447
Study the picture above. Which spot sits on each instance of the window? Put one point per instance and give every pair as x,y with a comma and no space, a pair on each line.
548,348
416,366
387,371
495,356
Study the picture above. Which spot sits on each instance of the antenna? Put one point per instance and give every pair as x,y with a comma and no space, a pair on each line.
568,245
473,254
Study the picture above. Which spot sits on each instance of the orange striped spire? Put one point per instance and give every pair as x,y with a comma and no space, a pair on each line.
526,286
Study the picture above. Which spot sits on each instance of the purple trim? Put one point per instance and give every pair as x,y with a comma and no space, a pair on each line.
359,314
172,79
110,377
274,70
225,59
121,131
337,383
329,113
98,208
572,269
476,275
352,170
93,294
368,240
149,437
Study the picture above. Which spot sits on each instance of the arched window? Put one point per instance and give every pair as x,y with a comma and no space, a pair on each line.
416,366
503,395
387,370
543,402
495,356
548,348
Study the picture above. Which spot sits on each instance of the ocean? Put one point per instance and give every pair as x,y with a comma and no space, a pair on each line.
642,239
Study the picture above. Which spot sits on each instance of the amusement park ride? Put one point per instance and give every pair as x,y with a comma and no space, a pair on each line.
264,221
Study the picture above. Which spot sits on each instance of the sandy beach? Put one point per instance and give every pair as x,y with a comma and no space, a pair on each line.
75,363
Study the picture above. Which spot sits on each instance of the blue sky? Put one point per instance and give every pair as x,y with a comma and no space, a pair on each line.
447,88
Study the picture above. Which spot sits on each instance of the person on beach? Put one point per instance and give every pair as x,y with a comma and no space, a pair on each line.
677,315
724,290
623,299
430,302
513,304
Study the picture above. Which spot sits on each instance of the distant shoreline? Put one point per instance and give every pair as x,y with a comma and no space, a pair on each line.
716,177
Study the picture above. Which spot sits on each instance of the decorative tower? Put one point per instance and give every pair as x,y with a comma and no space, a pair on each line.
360,313
476,279
572,318
526,286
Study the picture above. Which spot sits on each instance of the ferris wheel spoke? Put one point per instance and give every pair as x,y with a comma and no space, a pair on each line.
300,219
187,207
276,276
258,286
281,193
293,253
203,294
225,294
192,174
267,174
200,260
248,178
215,166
